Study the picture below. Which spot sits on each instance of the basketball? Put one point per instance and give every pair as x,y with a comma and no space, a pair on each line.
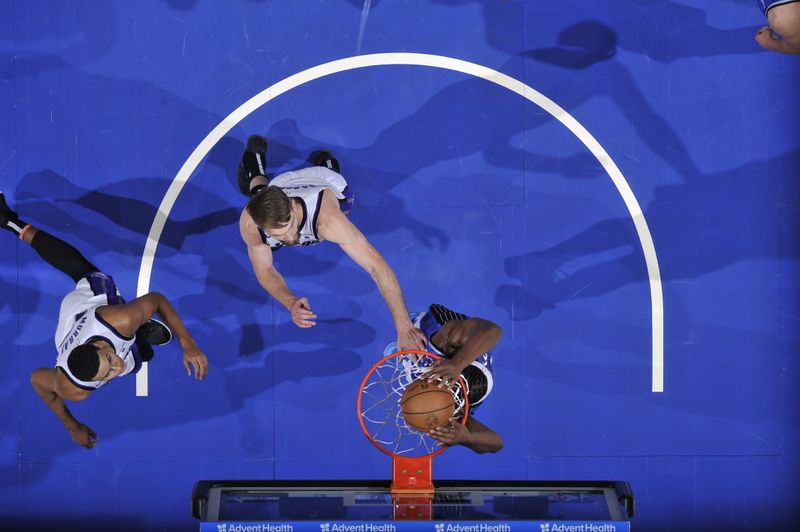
426,406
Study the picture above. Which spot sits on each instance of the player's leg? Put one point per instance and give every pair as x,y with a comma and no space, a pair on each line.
252,171
54,251
154,332
69,260
326,159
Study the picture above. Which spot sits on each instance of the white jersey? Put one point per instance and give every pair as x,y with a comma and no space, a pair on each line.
307,185
78,323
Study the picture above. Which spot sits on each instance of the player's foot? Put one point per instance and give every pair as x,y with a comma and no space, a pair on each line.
253,163
5,210
8,218
154,332
326,159
144,349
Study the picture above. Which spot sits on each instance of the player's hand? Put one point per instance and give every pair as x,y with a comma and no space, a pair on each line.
410,338
445,371
764,37
195,359
301,313
83,436
454,433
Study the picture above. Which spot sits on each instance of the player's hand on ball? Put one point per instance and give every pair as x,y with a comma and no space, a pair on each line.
445,371
454,433
83,436
301,313
410,338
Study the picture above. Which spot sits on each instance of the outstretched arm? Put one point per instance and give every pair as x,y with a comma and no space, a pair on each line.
474,435
269,278
129,317
53,393
337,228
465,340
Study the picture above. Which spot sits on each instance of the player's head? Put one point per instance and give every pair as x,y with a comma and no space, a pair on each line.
95,361
271,209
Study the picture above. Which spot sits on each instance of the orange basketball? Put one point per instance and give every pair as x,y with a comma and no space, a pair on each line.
426,406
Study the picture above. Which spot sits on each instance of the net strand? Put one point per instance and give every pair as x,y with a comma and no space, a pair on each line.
380,399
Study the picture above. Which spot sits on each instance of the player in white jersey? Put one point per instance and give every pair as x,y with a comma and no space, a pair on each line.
783,32
305,207
99,337
465,343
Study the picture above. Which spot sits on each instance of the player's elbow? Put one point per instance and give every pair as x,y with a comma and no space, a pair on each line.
157,300
492,330
497,331
46,384
376,266
500,443
373,262
36,379
42,379
494,445
378,274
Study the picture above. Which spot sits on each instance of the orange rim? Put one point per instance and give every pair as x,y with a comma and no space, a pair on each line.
364,382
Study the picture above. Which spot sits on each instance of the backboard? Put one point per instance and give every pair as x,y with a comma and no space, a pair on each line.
359,502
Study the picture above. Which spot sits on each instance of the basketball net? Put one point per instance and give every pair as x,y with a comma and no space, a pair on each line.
383,423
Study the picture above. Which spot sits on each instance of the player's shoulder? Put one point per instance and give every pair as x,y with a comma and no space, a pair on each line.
249,230
330,202
125,319
65,389
331,217
448,327
456,325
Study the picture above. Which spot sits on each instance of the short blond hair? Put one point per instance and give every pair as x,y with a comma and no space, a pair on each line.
270,208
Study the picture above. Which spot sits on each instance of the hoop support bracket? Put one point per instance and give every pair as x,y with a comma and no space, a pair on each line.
412,474
412,487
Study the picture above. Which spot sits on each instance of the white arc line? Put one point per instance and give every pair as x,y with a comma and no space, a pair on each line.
434,61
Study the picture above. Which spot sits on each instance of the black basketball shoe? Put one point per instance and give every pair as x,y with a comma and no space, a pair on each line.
145,350
154,332
253,163
326,159
8,218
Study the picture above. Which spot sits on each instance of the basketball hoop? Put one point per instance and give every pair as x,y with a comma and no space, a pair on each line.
383,423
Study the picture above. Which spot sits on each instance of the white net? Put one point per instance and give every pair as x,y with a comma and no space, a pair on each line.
380,405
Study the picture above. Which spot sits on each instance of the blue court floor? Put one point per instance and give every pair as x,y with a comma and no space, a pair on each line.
616,183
